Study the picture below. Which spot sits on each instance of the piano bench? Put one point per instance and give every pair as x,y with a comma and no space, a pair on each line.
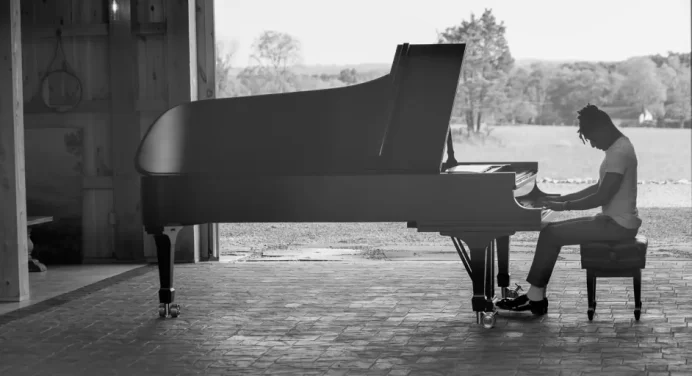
624,258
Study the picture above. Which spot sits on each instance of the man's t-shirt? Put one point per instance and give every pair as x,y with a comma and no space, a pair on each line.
621,158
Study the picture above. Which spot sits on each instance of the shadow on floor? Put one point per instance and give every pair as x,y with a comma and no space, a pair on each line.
62,283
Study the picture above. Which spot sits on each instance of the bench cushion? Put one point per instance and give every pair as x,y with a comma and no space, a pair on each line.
615,255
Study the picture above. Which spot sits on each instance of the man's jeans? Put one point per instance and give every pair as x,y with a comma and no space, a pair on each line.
571,232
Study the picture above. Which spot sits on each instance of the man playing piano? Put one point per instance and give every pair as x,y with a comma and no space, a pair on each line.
616,193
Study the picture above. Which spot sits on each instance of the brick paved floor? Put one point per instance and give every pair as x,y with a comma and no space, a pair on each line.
371,318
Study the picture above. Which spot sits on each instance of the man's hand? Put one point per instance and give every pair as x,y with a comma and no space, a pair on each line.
554,205
542,200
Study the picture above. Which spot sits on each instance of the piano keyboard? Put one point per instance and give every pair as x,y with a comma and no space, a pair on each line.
523,176
528,203
474,168
531,204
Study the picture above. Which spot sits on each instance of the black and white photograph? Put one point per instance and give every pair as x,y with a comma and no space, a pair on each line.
339,188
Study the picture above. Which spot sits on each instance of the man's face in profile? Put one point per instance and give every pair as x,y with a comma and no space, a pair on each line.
597,138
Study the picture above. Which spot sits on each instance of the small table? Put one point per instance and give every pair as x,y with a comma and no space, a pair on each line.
34,264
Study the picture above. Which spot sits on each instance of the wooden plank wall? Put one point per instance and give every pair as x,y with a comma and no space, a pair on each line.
153,83
125,133
83,25
126,68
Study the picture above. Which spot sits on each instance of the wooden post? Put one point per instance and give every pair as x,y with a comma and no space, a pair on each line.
206,89
206,50
181,67
14,262
125,132
181,45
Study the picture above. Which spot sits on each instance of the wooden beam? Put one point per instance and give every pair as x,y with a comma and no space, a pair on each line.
65,120
93,106
37,31
14,261
150,28
181,45
98,231
181,67
206,89
206,51
97,182
125,133
152,105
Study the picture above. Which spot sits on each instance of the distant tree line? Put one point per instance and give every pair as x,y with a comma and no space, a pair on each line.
273,69
493,89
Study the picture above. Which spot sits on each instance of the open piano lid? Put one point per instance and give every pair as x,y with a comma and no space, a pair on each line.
397,123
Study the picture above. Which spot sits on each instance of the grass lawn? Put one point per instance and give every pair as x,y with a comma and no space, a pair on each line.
662,153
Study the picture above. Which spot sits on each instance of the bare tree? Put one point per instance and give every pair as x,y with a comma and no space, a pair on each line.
273,54
487,63
276,50
224,79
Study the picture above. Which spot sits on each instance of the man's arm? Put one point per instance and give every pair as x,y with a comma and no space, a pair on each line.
616,163
604,193
588,191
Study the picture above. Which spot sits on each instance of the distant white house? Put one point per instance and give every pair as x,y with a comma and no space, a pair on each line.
645,116
629,116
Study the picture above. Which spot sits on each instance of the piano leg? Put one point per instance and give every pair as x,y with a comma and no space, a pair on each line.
503,275
481,268
165,251
481,274
490,271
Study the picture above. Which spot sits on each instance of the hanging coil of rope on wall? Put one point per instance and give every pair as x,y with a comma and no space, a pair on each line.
62,77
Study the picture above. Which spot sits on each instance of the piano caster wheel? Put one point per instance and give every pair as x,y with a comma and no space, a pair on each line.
166,309
174,310
488,320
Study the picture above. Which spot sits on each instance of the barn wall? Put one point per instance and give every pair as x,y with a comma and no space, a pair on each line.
72,154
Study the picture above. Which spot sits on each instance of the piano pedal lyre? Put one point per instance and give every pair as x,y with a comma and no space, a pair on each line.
511,293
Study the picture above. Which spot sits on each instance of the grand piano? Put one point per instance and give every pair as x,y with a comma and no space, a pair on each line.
371,152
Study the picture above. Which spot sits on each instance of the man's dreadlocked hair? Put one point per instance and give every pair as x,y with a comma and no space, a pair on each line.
591,117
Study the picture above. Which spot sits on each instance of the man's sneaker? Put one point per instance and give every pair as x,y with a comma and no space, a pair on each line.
522,303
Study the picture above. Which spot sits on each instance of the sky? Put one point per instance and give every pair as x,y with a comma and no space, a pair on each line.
368,31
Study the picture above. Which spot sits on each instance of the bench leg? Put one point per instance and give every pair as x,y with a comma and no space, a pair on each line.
637,279
591,292
35,266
